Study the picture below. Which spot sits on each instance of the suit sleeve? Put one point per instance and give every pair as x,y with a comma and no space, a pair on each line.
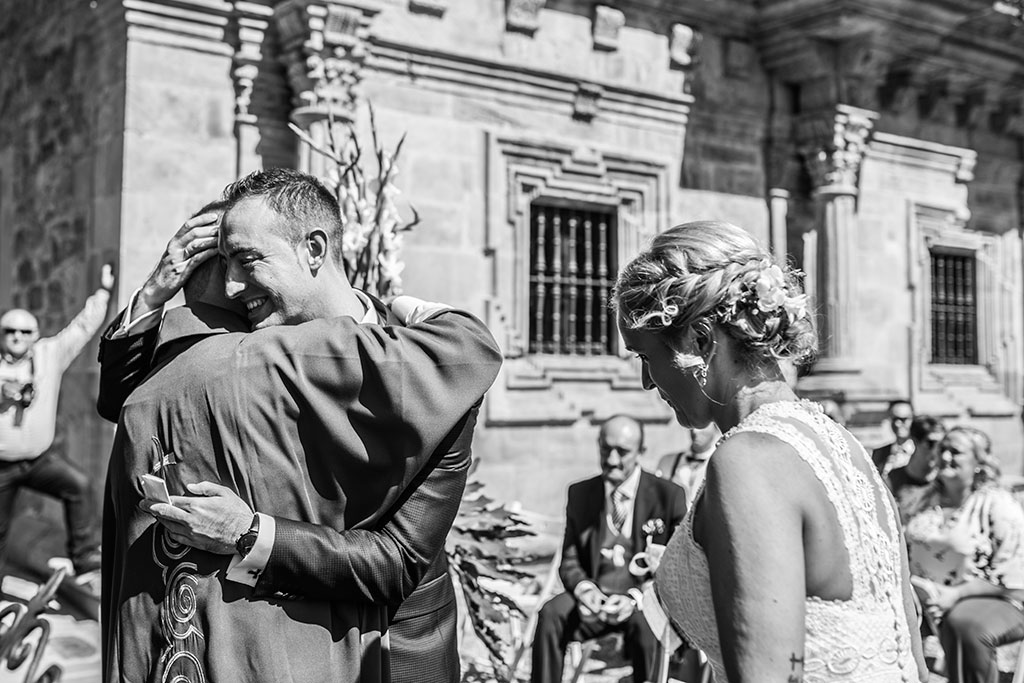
124,363
314,562
879,456
570,571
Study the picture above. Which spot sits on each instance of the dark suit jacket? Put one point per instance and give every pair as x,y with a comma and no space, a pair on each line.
656,498
320,409
378,567
881,455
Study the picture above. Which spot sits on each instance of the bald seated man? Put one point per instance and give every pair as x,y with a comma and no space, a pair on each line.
30,375
609,519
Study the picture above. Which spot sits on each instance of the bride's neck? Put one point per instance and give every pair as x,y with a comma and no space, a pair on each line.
749,397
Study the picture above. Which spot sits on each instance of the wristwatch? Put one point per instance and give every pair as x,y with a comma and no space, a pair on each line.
247,540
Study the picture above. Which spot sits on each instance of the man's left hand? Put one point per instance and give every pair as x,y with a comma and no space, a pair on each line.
617,608
211,520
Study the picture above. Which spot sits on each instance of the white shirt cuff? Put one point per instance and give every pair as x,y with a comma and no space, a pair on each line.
411,310
248,570
127,324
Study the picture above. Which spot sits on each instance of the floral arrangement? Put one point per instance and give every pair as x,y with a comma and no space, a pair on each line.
373,228
653,527
481,559
759,302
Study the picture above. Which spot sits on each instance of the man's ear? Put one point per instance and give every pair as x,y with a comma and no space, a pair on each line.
316,249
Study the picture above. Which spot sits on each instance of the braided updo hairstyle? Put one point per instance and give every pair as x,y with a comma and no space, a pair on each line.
708,273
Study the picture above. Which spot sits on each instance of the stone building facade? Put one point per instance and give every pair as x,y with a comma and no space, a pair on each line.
876,144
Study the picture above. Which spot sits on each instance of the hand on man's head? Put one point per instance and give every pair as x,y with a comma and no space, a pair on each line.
194,243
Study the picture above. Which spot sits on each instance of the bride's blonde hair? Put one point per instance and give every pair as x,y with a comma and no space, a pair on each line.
708,273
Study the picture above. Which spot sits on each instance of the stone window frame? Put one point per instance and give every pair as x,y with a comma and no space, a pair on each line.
521,169
945,228
578,211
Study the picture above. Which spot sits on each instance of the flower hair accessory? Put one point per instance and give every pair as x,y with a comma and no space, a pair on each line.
761,295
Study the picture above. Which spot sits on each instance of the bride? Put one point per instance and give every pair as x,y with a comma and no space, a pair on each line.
790,565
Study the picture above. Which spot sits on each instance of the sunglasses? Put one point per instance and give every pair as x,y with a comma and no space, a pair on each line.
15,330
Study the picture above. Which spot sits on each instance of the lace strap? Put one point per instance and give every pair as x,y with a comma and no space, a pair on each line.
837,496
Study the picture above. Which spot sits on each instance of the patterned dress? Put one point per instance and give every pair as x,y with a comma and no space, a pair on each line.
982,539
863,639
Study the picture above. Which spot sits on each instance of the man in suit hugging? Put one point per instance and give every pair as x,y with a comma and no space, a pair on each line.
609,519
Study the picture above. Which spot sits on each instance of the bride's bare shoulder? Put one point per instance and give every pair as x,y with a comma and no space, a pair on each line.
755,458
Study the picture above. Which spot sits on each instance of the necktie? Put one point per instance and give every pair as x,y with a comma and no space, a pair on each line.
619,508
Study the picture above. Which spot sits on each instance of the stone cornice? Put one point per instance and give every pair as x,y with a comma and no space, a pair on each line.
522,85
727,17
968,35
198,25
958,162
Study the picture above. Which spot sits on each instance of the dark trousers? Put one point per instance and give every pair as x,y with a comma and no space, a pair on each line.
559,623
57,477
970,634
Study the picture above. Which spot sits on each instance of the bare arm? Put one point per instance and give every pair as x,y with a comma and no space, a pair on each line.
754,545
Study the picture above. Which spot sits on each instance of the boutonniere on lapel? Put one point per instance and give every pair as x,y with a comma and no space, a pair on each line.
646,562
653,527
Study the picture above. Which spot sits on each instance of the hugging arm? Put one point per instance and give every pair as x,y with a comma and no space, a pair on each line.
386,565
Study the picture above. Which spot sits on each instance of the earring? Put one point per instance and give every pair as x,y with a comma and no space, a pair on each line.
700,373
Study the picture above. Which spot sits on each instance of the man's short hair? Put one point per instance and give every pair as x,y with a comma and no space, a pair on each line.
638,423
899,402
300,198
923,425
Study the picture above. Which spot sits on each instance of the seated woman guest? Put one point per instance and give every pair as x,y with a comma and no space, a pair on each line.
966,539
790,564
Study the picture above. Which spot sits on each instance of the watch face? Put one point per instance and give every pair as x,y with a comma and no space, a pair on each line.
246,542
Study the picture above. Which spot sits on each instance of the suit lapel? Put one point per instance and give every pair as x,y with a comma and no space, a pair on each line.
596,515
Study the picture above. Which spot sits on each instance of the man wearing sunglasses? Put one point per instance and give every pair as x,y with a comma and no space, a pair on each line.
30,375
897,453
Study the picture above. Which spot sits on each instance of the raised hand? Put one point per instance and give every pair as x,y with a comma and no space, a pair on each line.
107,276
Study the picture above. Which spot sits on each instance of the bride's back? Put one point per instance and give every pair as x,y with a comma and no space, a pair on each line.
854,619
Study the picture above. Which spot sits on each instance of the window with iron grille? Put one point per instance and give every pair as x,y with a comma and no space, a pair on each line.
573,264
954,308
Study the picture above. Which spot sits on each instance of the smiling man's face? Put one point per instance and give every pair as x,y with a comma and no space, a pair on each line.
265,269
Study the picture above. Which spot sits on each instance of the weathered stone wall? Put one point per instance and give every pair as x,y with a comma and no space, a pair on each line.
61,98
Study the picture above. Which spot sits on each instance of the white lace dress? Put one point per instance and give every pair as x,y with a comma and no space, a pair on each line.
864,639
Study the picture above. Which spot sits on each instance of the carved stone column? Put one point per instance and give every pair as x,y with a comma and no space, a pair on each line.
323,47
833,143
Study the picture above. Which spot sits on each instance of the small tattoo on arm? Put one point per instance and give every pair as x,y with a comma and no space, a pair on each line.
796,669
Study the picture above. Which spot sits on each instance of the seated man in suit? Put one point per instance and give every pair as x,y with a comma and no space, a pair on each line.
896,454
609,519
